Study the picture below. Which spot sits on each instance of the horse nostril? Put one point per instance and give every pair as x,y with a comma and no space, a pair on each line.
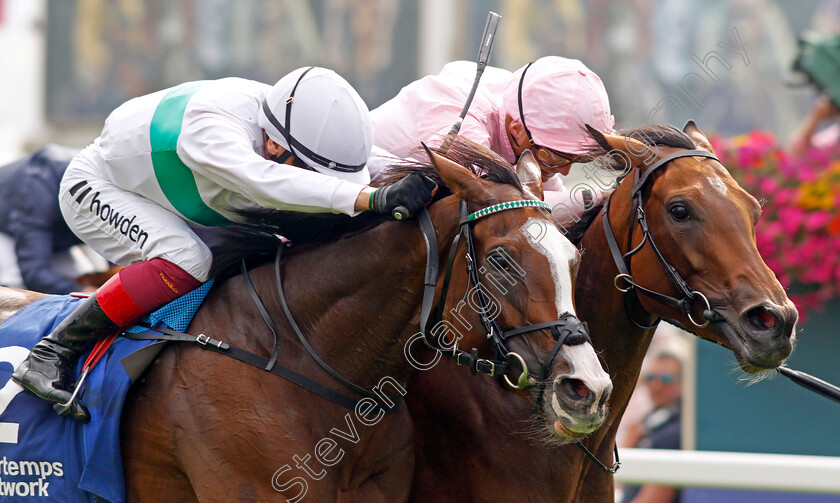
575,388
762,318
769,320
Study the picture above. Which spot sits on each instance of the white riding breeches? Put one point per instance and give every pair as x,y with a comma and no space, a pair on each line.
125,227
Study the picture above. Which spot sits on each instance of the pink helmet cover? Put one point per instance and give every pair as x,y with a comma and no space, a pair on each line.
559,96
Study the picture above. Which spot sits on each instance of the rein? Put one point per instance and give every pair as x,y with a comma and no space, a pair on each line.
392,405
567,329
622,261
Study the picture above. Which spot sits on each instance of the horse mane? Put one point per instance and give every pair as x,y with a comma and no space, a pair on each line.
575,231
257,235
652,135
480,160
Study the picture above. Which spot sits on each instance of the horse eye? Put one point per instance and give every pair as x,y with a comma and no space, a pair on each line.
679,212
499,261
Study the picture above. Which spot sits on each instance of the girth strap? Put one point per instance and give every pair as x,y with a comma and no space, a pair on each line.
243,355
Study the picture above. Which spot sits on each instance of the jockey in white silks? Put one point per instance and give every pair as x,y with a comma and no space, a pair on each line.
194,154
543,107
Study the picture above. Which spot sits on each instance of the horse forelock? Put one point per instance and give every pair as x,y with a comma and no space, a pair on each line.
654,135
480,160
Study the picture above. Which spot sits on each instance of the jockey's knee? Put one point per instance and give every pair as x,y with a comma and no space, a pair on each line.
156,282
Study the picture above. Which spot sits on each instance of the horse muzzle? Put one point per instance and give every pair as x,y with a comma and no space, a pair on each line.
762,336
769,331
576,401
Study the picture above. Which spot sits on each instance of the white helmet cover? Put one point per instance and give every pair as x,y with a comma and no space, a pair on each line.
318,117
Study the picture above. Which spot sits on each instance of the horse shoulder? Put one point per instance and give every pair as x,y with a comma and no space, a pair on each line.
13,300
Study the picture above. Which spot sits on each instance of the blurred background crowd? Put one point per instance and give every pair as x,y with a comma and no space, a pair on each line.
727,64
81,58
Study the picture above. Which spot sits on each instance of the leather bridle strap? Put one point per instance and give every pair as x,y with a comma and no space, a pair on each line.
497,367
640,182
609,469
358,389
622,261
427,228
624,272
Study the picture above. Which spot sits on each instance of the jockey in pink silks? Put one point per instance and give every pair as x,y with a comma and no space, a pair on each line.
543,107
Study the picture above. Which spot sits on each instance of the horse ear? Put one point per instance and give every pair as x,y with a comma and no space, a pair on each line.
697,136
458,178
530,174
638,152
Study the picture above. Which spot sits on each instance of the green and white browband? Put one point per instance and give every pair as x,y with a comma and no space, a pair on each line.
507,206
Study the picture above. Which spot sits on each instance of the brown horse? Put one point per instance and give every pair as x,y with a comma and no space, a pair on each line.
703,224
203,427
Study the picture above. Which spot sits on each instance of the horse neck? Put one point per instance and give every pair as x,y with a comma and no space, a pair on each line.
357,300
601,304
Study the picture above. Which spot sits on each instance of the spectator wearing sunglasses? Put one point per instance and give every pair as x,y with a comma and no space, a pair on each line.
542,107
660,429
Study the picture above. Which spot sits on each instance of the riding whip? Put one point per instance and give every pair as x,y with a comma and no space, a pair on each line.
812,383
484,50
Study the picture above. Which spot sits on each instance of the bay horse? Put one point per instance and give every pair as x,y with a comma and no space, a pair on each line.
200,426
702,224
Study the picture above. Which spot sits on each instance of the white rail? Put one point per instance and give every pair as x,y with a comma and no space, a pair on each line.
730,470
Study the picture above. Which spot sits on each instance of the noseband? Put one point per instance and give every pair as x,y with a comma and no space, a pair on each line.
622,262
567,329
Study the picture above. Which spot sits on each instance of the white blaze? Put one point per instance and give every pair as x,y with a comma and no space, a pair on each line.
561,255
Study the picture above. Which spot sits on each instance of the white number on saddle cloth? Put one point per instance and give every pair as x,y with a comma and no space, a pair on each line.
14,355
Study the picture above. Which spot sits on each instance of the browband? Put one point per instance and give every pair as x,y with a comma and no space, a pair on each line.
668,158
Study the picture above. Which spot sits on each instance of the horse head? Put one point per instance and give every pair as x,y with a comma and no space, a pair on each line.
690,254
520,293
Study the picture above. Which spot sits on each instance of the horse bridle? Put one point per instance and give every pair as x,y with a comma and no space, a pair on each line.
567,329
622,261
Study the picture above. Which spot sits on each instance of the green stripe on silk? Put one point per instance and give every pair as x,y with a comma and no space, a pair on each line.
174,177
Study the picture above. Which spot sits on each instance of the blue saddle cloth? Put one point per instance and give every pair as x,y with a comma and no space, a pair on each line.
46,457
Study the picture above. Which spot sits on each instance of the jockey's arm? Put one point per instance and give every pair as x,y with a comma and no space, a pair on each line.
222,151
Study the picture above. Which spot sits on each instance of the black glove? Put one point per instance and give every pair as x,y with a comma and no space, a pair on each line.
413,192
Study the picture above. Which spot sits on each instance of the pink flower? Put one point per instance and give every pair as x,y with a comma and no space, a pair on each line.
816,220
768,185
791,218
784,195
